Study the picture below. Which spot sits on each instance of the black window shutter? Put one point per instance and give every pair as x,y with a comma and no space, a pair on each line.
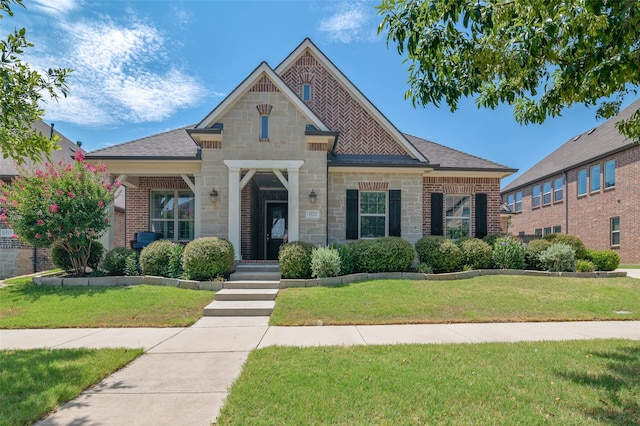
395,211
436,213
481,215
352,214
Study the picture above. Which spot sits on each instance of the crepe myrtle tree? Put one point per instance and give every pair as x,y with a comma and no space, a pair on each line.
63,205
538,56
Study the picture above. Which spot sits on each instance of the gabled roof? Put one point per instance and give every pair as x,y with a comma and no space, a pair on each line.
174,144
66,152
307,44
262,70
452,159
599,142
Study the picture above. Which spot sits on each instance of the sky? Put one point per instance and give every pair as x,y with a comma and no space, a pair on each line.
143,67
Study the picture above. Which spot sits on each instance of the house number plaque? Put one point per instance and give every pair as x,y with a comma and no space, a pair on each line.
312,214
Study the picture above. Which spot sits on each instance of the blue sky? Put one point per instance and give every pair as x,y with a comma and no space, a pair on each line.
147,66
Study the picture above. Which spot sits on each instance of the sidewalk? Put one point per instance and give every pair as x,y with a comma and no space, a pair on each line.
184,375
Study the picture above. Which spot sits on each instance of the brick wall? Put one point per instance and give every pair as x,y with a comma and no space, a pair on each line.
589,215
463,186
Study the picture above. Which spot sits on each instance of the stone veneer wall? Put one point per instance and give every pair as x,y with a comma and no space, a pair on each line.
16,257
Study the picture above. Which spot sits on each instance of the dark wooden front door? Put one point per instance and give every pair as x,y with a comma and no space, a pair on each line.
276,228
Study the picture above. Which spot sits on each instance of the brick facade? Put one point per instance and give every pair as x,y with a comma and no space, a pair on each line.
588,216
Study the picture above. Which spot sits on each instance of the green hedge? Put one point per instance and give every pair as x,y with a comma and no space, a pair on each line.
388,254
295,259
206,258
439,254
115,262
604,260
155,258
62,259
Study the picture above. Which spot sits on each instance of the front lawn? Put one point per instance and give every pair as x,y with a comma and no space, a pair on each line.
564,383
36,382
492,298
26,305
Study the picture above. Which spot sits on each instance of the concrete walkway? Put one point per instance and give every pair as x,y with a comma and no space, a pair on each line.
184,375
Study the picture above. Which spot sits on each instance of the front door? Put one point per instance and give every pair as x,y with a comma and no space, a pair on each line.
276,228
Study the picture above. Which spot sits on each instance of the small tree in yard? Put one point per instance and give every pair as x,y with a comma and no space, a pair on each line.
63,205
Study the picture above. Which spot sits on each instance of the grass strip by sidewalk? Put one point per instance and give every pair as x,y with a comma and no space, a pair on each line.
492,298
26,305
37,381
566,383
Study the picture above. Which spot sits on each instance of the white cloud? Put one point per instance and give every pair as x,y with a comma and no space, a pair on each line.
121,74
56,7
351,22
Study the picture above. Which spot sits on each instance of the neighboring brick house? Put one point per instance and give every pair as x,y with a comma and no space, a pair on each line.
299,153
588,187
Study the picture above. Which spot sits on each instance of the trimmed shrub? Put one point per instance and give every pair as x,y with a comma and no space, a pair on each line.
450,258
154,258
346,257
508,253
175,269
131,268
532,254
476,254
116,260
206,258
295,259
572,241
585,266
61,258
559,258
491,238
388,254
325,262
604,260
428,249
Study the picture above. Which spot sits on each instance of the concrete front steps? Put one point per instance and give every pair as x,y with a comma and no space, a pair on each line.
251,291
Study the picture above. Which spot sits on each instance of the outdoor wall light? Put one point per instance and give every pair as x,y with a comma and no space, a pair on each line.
313,196
213,195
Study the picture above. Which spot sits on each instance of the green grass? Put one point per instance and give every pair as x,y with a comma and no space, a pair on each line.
629,266
25,305
494,298
36,382
561,383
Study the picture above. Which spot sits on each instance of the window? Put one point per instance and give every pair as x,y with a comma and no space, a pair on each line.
547,231
538,232
535,196
510,202
264,127
582,182
557,229
306,92
558,185
615,231
458,216
546,193
519,201
172,214
610,174
373,214
595,178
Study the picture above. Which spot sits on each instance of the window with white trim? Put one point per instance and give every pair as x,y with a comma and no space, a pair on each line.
615,231
582,182
547,231
373,214
558,186
557,229
511,202
594,178
457,216
518,201
546,193
172,214
306,92
535,196
264,127
610,174
538,232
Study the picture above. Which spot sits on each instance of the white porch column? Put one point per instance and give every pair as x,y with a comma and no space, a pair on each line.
293,231
197,207
234,211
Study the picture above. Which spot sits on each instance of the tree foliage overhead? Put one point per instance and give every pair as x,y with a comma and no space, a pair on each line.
539,56
21,90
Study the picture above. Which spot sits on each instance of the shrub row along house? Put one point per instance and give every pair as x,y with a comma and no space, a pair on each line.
588,187
297,152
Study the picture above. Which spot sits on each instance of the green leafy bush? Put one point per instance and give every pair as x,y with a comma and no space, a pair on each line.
572,241
491,238
585,266
532,254
346,257
423,268
428,249
476,254
508,253
559,258
295,259
206,258
131,268
440,254
175,269
388,254
155,259
604,260
116,260
325,262
61,258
